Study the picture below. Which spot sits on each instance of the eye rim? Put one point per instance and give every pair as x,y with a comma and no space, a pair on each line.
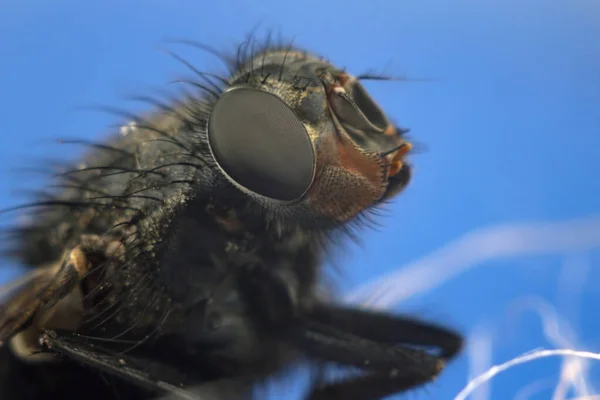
236,182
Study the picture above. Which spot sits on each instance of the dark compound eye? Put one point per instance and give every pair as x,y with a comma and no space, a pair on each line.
261,144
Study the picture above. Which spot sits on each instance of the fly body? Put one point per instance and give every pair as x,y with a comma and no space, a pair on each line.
183,257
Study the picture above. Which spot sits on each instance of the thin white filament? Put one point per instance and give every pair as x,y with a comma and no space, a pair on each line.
525,358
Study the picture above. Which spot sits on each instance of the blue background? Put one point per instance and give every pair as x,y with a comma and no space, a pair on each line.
501,225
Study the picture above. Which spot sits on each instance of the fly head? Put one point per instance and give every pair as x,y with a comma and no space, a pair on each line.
305,140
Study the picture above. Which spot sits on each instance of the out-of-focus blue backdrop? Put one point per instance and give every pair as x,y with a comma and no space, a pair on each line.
499,233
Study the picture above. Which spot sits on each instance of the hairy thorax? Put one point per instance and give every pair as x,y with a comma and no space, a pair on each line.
184,254
182,258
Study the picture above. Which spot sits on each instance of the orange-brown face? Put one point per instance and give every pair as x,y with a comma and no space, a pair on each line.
299,135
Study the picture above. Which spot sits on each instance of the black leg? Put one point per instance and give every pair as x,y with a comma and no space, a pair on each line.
41,293
72,347
376,343
386,328
42,289
23,380
161,381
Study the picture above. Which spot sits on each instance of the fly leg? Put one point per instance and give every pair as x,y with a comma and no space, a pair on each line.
158,379
380,345
49,297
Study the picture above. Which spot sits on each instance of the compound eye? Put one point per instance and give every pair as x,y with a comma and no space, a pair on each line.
261,145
